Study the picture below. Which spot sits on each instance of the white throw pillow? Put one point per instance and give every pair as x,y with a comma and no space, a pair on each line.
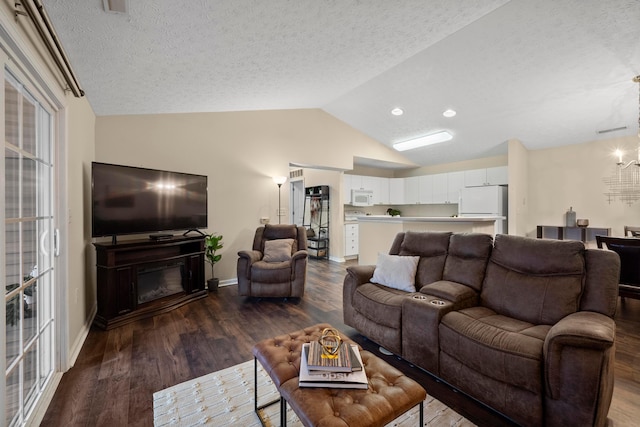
398,272
277,250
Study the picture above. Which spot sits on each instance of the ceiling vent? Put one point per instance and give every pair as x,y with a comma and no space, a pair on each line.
116,6
295,173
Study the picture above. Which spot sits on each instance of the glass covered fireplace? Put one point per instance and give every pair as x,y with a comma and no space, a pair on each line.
159,281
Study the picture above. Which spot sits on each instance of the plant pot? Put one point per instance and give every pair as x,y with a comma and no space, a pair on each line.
212,284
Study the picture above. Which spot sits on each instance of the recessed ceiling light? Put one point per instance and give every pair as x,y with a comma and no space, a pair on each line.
449,113
434,138
397,112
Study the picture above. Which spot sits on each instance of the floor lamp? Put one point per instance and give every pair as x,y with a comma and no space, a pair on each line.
279,180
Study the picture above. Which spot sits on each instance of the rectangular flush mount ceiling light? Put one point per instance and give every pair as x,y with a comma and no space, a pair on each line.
434,138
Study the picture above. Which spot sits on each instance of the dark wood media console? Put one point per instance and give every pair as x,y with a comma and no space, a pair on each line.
137,279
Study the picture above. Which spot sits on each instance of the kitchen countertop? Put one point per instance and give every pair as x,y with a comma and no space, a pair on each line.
387,218
376,233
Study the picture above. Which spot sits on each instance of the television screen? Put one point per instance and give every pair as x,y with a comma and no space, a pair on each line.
131,200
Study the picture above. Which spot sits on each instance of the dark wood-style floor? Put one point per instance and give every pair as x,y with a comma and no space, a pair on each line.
117,372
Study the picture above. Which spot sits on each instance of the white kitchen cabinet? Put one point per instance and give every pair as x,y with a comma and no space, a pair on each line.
426,190
498,175
455,183
377,185
382,197
489,176
357,182
412,190
396,191
446,187
440,187
346,189
350,239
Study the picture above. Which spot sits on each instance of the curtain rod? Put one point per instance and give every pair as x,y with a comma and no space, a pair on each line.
35,10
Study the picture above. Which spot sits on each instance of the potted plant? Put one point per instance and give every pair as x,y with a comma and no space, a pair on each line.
212,243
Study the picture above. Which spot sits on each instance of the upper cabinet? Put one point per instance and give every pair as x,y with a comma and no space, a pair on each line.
382,196
412,190
396,191
498,175
440,188
446,187
489,176
379,186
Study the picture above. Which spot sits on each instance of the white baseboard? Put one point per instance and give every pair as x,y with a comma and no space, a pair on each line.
229,282
74,351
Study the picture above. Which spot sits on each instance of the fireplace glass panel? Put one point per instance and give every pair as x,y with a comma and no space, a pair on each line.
159,282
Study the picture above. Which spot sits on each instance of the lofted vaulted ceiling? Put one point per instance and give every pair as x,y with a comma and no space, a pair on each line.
545,72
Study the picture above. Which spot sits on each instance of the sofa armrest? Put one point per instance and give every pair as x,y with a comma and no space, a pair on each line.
356,275
579,353
245,260
302,254
299,265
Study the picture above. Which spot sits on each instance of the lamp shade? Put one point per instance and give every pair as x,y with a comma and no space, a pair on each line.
279,179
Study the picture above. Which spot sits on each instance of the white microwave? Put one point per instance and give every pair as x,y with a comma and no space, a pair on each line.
361,198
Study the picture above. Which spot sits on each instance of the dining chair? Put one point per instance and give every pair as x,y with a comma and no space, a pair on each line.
631,231
628,248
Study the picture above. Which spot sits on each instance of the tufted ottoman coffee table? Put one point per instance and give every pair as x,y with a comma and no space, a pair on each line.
389,395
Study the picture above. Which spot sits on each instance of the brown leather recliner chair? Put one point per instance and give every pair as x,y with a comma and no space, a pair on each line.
277,264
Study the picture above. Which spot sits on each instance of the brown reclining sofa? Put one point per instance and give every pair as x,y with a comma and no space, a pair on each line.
523,325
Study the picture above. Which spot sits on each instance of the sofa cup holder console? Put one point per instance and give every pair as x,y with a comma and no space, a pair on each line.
437,302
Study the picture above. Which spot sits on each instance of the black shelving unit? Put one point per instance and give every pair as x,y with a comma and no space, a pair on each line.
316,220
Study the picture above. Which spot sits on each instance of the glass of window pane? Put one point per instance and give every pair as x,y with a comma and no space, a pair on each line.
44,136
12,396
46,355
12,184
45,298
29,312
44,190
45,248
29,249
13,325
11,117
30,376
28,126
29,188
12,257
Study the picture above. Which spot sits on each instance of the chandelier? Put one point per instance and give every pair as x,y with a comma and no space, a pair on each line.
624,182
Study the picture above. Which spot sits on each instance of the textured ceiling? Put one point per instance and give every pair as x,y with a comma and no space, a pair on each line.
545,72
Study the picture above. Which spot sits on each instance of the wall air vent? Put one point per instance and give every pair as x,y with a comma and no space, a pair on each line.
611,130
297,173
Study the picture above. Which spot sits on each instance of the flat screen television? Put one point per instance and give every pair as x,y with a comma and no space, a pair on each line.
132,200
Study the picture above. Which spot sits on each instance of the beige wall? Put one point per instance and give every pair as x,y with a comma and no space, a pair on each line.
573,176
81,290
518,169
240,152
486,162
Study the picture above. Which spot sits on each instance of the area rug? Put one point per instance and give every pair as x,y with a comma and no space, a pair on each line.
225,398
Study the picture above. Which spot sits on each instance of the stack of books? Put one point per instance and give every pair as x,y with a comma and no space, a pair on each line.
343,370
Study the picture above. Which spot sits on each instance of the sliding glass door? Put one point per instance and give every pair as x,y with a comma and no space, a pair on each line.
28,249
